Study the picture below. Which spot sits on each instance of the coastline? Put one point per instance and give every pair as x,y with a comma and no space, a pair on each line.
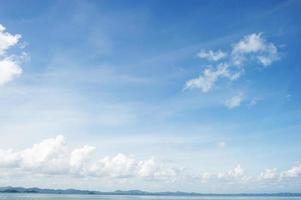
35,190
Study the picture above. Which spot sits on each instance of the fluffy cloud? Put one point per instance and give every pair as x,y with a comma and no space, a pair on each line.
254,46
8,158
237,174
250,48
79,158
7,40
9,64
234,101
49,156
212,55
294,172
151,170
249,44
53,157
119,166
9,70
269,174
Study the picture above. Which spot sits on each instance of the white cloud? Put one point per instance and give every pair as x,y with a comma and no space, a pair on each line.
9,70
9,64
254,45
234,101
49,156
7,40
269,174
119,166
210,75
79,158
236,172
294,172
250,43
52,156
8,158
250,48
152,170
212,55
270,55
204,81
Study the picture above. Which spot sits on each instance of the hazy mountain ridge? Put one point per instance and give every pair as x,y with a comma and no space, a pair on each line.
131,192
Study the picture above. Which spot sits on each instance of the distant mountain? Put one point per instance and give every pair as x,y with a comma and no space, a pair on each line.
131,192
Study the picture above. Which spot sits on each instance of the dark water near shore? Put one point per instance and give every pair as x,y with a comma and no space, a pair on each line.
128,197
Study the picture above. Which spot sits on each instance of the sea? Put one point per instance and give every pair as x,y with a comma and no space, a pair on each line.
18,196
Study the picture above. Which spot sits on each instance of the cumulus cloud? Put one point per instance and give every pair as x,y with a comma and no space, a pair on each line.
9,64
250,48
212,55
7,40
237,174
49,156
269,174
234,101
151,170
119,166
9,70
8,158
53,157
79,158
291,174
294,172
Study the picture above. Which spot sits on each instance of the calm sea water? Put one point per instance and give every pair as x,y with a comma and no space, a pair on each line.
115,197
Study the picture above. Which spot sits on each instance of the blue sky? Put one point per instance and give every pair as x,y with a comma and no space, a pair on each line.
154,95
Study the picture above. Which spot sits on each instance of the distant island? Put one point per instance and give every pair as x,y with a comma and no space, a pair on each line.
134,192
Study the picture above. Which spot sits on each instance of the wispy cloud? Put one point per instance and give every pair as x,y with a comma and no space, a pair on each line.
211,55
254,101
234,101
210,75
242,54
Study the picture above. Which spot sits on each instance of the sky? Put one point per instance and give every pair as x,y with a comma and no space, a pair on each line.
199,96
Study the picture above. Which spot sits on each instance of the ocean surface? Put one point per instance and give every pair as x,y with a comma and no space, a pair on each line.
4,196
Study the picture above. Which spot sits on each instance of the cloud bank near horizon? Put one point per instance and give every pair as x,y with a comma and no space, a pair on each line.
53,157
